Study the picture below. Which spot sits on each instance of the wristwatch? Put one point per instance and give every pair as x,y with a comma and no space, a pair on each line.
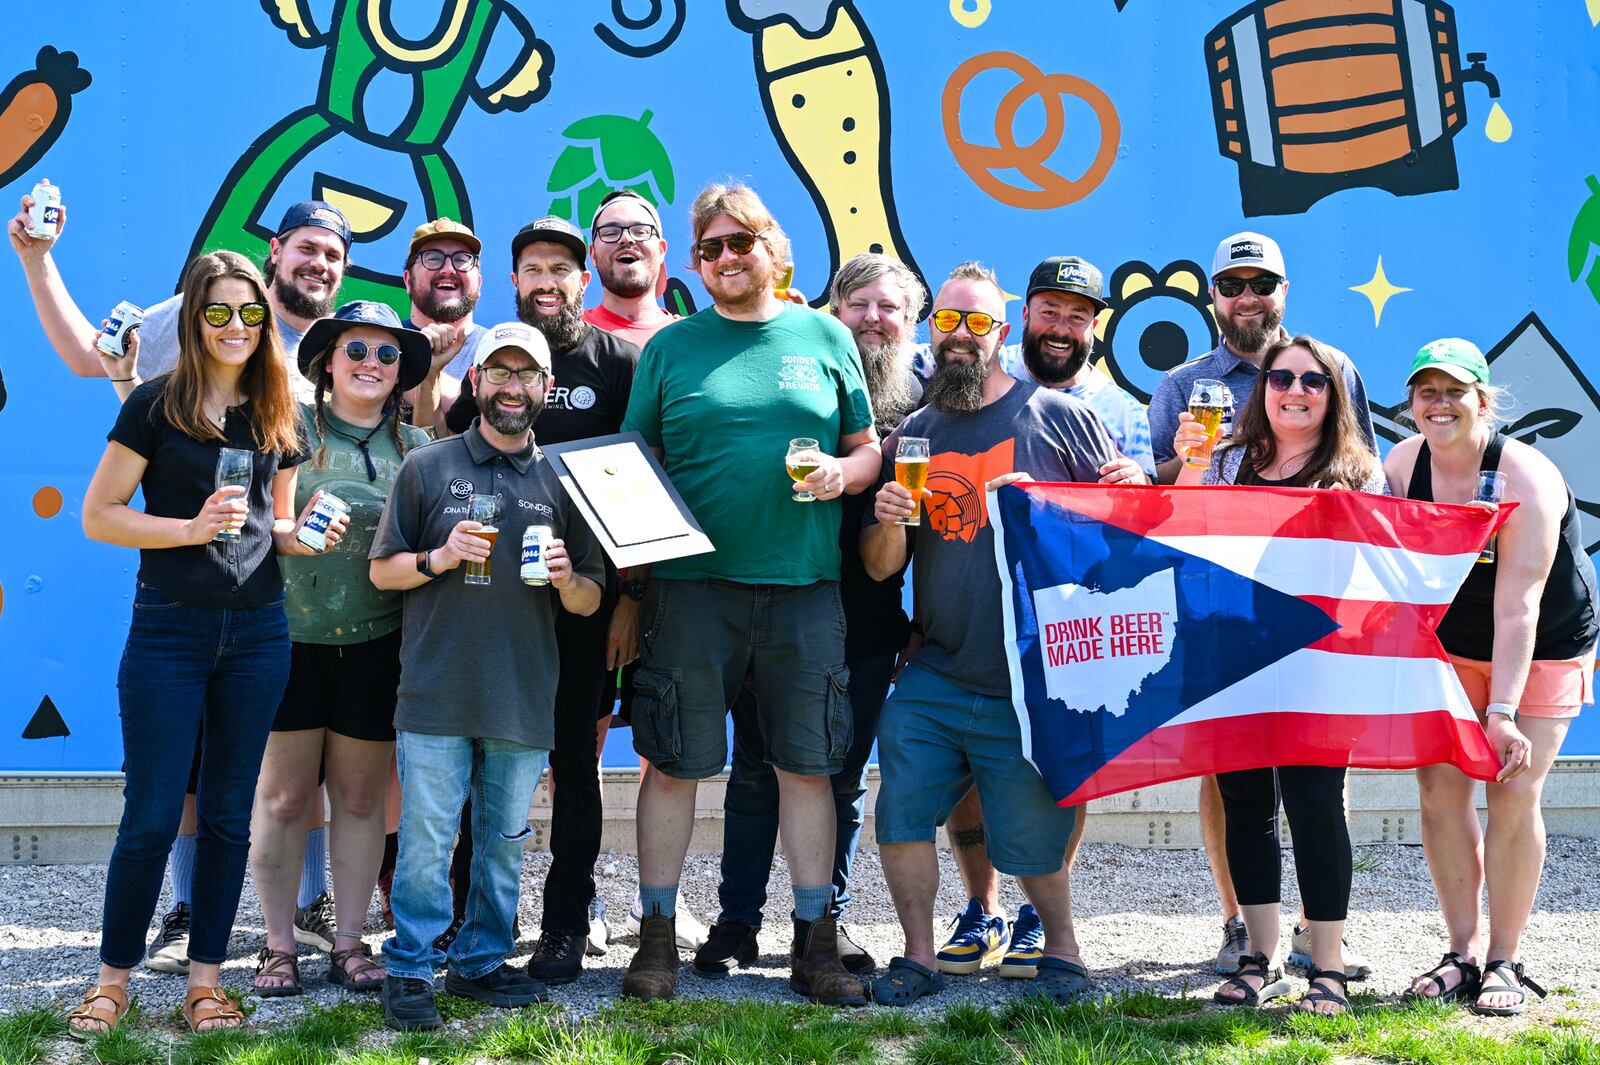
422,567
1504,710
634,589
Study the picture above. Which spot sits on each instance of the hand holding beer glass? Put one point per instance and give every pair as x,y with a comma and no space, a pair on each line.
233,471
804,456
485,510
911,473
1209,403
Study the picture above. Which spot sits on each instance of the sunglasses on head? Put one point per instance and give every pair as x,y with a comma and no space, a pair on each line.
1313,382
710,249
434,259
218,315
1234,286
358,350
948,320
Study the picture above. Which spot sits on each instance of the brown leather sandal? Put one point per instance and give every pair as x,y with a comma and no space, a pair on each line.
206,1004
277,965
355,970
87,1011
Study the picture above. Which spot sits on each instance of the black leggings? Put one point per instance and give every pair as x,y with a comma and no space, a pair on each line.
1313,797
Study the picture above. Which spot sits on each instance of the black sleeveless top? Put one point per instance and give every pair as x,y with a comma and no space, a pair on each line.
1567,624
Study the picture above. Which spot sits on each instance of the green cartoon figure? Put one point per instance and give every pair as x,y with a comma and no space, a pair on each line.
386,105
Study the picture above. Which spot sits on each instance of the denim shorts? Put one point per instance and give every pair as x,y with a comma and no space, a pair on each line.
932,735
701,639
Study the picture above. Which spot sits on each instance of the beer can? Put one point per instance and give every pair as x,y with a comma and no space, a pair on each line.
535,570
314,533
44,217
123,319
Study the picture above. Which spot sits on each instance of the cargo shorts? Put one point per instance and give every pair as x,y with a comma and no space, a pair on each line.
699,641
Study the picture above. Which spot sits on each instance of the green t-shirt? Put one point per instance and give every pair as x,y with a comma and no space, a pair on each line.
722,399
330,598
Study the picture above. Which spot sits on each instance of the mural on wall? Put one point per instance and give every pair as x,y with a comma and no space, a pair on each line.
953,133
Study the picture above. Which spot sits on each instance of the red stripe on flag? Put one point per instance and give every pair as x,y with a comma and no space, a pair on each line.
1300,513
1368,741
1386,630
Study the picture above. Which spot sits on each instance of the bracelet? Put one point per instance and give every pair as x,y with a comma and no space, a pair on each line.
121,380
1502,708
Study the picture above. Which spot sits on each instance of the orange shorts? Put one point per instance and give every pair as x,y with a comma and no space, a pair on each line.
1557,687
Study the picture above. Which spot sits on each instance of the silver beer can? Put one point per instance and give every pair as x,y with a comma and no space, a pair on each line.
535,570
123,319
44,217
314,533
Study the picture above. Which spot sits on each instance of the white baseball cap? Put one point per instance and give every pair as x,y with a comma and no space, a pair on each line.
1249,249
517,335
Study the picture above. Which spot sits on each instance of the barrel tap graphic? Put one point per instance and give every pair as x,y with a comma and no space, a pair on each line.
1312,97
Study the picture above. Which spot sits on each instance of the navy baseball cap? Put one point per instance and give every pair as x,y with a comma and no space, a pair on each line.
1068,273
416,352
553,229
316,213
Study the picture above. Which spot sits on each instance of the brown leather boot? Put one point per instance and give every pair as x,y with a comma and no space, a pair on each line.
653,973
815,971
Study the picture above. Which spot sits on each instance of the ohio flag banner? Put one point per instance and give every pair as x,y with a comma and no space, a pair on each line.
1161,633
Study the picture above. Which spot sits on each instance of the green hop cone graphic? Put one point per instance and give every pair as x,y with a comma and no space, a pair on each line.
607,153
1586,234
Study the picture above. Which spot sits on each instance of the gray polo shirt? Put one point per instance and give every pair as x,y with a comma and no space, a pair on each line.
1172,394
475,660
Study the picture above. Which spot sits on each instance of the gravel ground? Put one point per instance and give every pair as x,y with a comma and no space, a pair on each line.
1145,922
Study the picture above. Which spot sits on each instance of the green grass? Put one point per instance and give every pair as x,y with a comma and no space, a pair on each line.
1139,1028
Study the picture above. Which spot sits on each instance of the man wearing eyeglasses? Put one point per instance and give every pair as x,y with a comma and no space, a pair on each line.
720,396
305,266
1249,290
629,253
444,278
476,702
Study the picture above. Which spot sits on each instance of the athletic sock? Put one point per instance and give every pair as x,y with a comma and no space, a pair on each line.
658,901
811,903
314,873
180,869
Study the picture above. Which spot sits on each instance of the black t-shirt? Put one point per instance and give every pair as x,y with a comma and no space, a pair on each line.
593,379
181,475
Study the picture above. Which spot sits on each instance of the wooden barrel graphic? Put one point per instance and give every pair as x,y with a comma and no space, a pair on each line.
1338,87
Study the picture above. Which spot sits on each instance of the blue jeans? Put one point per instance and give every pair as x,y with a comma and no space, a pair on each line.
750,810
183,667
436,775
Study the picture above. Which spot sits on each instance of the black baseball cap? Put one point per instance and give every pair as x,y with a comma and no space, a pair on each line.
316,213
416,352
1068,273
554,229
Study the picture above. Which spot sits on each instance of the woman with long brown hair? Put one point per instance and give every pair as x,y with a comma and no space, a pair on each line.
1298,429
208,644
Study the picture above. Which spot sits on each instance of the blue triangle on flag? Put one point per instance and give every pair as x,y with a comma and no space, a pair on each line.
1228,626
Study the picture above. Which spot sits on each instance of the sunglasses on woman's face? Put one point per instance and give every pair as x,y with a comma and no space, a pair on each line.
1233,287
218,315
357,351
710,249
1313,382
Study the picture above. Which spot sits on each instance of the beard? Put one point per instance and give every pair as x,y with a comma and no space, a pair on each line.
562,329
888,370
1251,339
1047,367
444,306
297,304
745,293
957,385
628,280
511,422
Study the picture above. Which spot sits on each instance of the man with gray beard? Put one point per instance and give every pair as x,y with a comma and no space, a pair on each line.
878,299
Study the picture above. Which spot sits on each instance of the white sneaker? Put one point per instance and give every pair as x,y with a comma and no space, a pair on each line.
1356,967
691,933
599,935
169,950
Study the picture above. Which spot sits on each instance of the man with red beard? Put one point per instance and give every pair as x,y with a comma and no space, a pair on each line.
720,396
1249,289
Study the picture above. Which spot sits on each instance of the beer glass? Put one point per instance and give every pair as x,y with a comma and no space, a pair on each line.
1209,402
911,473
233,468
1491,489
486,511
805,455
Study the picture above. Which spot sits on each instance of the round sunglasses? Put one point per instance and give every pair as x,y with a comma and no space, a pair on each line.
1313,382
218,315
358,350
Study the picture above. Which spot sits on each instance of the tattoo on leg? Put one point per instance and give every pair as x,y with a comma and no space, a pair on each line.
969,837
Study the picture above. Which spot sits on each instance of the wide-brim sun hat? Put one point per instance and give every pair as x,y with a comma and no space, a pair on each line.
416,353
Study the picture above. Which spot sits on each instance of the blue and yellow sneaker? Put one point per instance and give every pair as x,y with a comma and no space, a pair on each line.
1027,946
978,939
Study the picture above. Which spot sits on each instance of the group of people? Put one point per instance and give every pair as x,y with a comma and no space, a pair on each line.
261,663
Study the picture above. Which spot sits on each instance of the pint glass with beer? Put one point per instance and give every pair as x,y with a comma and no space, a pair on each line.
911,473
804,456
1209,403
485,510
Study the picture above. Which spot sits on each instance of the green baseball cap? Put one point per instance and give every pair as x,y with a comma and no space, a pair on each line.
1459,358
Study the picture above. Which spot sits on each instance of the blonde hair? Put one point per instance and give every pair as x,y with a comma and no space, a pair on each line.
740,203
868,267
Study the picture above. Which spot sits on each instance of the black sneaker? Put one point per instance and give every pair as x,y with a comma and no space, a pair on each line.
169,950
505,987
314,924
729,945
855,958
408,1003
558,957
448,936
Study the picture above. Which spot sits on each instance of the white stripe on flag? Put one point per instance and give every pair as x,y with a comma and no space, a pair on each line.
1367,685
1336,569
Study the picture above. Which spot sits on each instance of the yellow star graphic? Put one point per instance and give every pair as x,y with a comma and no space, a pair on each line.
1379,290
